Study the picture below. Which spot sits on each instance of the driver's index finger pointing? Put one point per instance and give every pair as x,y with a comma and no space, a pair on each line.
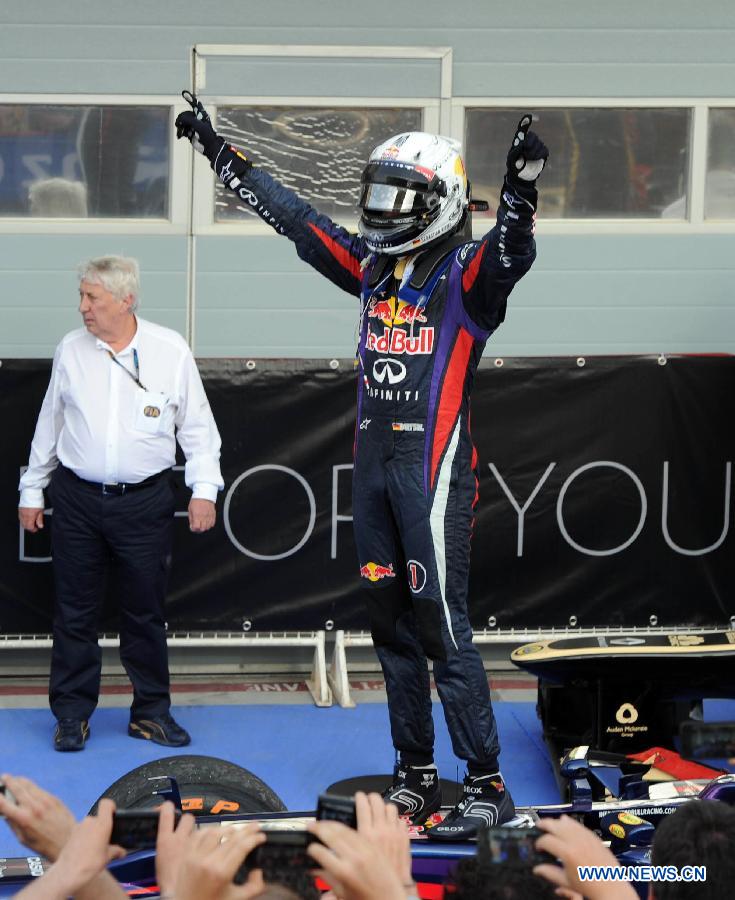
523,126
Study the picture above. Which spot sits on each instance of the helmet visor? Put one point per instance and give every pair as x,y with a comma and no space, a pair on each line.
394,188
390,201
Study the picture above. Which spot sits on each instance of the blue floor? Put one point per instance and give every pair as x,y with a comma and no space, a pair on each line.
297,750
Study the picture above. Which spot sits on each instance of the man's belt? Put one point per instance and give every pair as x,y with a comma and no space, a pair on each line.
119,488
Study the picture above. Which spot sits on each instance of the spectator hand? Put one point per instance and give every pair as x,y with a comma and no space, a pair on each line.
202,515
527,155
172,842
86,853
38,819
379,823
31,518
211,858
355,868
575,846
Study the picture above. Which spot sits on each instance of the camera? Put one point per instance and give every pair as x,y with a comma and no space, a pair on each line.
516,846
334,808
283,851
136,829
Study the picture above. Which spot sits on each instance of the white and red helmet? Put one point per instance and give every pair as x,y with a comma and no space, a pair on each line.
414,190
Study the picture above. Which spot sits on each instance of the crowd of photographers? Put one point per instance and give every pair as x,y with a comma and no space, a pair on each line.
371,862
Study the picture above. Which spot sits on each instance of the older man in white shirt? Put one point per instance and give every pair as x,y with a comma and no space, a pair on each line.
122,391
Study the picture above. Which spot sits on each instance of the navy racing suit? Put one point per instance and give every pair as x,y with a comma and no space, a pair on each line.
415,483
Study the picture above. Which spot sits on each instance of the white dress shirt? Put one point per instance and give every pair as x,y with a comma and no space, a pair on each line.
98,422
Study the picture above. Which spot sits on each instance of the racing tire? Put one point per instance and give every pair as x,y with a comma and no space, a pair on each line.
208,786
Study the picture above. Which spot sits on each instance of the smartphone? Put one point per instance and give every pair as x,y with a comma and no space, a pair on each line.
136,829
337,809
283,850
512,845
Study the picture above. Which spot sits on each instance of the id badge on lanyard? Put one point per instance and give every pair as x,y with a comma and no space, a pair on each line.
149,405
149,409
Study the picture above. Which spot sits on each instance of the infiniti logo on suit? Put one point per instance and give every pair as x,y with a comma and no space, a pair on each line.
392,369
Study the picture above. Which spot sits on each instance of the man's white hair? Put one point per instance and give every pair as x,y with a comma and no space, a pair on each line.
58,197
120,275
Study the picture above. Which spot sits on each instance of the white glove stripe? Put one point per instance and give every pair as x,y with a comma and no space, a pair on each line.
531,169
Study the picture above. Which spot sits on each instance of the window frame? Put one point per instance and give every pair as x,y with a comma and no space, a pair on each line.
695,221
437,110
191,187
179,173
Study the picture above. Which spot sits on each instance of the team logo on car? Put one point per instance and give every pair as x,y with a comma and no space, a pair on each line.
527,649
375,572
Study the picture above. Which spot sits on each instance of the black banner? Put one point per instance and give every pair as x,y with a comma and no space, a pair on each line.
605,495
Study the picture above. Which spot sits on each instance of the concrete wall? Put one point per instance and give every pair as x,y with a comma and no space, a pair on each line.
591,291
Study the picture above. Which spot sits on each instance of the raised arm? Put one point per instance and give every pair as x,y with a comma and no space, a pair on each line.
494,265
329,248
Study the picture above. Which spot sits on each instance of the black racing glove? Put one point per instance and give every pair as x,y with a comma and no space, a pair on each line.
527,156
229,164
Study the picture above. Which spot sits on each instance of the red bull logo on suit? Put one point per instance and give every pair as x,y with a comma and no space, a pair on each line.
398,341
381,309
374,571
395,312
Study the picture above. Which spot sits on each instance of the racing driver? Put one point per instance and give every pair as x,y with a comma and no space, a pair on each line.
430,297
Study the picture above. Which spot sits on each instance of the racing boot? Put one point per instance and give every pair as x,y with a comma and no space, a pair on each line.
416,792
486,801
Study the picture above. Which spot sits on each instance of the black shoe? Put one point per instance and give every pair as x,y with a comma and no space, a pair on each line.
486,801
415,791
71,734
161,729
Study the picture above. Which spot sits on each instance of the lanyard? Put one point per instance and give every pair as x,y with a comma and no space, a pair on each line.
136,363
